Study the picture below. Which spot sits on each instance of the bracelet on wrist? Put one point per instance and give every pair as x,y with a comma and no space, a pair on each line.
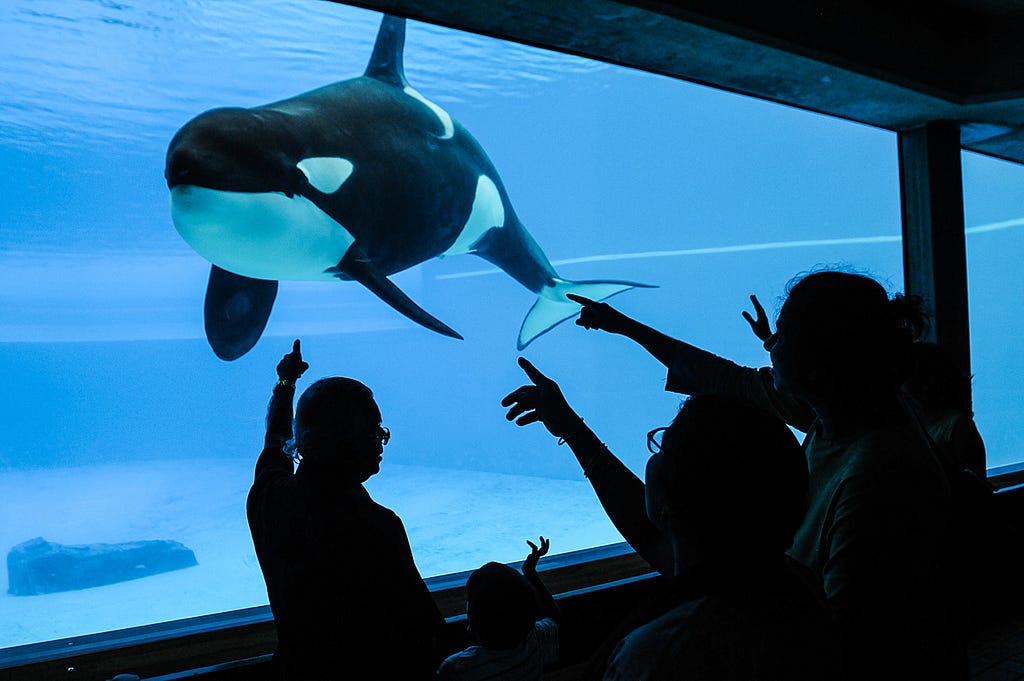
284,382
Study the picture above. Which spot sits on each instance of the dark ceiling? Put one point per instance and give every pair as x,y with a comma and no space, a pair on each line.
897,65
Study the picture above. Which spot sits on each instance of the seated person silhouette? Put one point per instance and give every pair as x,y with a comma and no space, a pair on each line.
347,598
513,619
726,490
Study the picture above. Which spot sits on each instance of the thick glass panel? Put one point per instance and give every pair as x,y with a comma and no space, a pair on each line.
121,424
994,213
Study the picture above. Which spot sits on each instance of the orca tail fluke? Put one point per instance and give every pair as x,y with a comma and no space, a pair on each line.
552,307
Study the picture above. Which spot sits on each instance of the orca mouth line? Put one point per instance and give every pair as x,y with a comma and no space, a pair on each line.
186,188
323,174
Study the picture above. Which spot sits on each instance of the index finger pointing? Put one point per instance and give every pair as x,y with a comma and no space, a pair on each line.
582,300
532,372
295,345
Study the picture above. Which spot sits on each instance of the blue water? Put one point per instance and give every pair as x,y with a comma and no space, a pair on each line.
616,173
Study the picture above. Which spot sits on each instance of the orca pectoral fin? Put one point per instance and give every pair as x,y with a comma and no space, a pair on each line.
236,312
552,307
361,269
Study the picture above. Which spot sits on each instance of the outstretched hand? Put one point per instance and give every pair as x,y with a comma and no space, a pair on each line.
542,401
596,315
760,325
291,366
530,564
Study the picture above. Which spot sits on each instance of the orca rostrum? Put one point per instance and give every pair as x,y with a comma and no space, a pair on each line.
352,181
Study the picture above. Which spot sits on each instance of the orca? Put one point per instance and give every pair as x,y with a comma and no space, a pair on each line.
353,181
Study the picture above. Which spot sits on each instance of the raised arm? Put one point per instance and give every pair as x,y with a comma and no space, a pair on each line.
692,370
620,492
279,411
604,317
548,606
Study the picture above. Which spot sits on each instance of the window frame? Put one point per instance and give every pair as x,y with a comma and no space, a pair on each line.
237,637
211,641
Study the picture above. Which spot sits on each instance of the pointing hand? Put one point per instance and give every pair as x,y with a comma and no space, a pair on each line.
291,366
596,315
542,401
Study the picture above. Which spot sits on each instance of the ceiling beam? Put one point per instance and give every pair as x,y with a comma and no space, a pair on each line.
890,65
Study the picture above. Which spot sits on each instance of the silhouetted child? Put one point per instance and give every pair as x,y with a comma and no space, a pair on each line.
513,617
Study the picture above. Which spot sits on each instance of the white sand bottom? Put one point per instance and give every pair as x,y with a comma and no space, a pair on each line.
456,520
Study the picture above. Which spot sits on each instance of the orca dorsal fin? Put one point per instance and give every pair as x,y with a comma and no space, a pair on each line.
386,63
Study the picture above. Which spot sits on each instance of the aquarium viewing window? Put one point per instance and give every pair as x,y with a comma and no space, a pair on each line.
123,426
993,197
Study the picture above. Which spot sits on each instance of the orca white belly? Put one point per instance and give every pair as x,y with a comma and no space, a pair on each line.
264,236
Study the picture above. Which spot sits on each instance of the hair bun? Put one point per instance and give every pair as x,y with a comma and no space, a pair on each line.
910,315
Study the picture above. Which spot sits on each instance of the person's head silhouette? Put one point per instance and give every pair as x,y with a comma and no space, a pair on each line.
338,429
840,338
727,485
501,606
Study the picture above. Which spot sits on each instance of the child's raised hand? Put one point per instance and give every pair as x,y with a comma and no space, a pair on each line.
760,325
530,564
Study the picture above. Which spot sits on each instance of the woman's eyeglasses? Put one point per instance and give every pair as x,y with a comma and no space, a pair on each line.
654,439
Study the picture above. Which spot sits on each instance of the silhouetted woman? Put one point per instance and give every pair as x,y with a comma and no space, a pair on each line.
725,491
937,388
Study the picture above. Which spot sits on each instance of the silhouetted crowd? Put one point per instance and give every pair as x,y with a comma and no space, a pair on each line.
838,557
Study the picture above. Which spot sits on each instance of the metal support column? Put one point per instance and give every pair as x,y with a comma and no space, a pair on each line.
934,248
934,244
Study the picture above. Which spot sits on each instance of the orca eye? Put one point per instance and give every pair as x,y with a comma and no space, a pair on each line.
326,173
